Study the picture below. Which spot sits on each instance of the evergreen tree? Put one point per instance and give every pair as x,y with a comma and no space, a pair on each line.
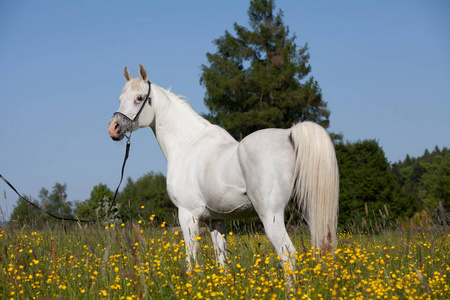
366,179
426,179
259,78
437,182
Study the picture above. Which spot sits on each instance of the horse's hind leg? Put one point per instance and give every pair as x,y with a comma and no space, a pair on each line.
278,236
266,159
272,217
269,198
218,238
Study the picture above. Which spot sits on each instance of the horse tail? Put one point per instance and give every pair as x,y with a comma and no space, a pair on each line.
315,187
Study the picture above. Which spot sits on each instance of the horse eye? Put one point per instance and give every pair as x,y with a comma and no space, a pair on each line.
138,98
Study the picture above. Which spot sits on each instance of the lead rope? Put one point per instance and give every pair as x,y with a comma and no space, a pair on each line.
127,152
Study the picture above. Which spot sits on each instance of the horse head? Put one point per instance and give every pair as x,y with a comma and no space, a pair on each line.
133,112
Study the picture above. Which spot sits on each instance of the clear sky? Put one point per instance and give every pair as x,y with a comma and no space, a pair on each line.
383,66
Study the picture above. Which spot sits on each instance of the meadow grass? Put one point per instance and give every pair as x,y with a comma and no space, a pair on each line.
145,260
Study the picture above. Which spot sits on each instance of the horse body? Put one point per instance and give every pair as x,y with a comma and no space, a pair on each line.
209,180
212,176
203,174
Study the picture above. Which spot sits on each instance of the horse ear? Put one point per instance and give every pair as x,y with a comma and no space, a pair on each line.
127,75
143,73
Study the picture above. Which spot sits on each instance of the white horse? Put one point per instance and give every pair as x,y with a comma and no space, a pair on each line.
212,176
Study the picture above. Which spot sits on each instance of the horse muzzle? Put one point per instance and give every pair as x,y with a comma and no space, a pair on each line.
119,126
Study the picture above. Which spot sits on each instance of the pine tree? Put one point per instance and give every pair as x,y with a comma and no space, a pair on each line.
260,78
366,180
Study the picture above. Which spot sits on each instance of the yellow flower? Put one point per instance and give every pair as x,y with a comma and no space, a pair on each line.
317,268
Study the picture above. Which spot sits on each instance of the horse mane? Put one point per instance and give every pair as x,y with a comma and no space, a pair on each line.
182,101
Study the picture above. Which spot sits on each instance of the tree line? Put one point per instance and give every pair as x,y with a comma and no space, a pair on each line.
260,78
369,185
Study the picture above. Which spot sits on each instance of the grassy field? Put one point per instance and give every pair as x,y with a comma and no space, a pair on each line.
145,260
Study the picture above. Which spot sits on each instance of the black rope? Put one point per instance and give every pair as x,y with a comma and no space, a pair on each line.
127,152
39,208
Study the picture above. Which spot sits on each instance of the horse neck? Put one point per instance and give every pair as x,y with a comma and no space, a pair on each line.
176,124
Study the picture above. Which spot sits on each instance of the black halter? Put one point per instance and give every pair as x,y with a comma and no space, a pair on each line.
129,121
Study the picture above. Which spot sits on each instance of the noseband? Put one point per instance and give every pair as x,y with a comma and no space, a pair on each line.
126,119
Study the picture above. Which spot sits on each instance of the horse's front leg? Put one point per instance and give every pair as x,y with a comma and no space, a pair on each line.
189,226
218,233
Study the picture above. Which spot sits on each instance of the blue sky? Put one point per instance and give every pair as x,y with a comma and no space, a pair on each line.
383,66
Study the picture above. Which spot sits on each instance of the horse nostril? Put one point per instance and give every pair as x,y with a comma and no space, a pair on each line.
117,126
